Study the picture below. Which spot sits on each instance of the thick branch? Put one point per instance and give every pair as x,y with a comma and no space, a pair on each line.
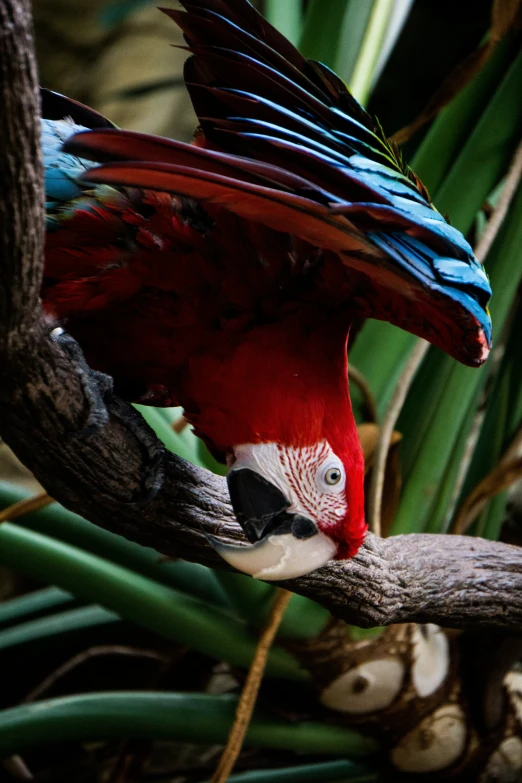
21,188
455,581
451,580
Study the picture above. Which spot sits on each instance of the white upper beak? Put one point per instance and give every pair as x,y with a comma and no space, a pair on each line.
278,557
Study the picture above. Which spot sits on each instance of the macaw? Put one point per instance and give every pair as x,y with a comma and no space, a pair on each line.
223,275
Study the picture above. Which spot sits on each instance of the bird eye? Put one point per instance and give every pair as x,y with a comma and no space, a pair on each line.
333,476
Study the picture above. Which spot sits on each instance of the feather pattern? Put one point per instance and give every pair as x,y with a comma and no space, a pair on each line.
224,275
285,144
288,174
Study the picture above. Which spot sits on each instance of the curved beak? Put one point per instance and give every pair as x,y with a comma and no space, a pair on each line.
277,557
284,545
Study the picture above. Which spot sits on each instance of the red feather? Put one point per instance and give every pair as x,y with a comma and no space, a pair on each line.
224,275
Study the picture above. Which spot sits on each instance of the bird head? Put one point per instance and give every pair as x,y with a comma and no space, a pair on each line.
296,477
298,506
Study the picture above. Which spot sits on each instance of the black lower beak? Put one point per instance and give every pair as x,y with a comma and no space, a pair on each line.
261,508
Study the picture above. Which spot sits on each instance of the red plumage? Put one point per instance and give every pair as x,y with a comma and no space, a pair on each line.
290,215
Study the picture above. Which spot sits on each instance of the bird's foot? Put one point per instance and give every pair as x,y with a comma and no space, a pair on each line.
96,386
98,391
154,467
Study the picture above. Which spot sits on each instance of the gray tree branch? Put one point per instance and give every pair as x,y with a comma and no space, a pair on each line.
455,581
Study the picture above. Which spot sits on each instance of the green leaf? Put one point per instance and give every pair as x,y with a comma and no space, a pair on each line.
250,598
455,123
326,772
185,443
486,154
321,33
286,17
502,421
381,350
182,717
371,47
442,509
444,393
56,626
303,619
60,523
181,443
493,516
351,34
165,611
39,602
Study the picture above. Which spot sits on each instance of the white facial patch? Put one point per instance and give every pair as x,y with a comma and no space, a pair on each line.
312,477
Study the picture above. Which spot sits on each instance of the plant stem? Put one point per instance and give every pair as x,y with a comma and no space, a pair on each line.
386,432
508,191
248,698
26,506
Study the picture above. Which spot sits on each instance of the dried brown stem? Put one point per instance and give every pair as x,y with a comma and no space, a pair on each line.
357,379
503,476
248,698
16,766
386,434
511,183
22,507
505,15
86,655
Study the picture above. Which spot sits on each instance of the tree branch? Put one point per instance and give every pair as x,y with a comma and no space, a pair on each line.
454,581
21,183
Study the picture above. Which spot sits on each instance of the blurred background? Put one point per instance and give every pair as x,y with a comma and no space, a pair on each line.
120,56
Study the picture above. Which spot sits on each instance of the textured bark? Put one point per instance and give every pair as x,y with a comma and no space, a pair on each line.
453,581
21,191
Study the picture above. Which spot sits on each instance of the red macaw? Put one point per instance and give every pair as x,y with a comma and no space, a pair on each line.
223,275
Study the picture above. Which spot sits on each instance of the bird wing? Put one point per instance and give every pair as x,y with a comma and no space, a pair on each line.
285,144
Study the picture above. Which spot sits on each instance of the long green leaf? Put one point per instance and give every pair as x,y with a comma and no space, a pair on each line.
493,516
200,718
56,626
250,598
180,443
381,350
442,508
380,353
326,772
455,123
371,47
351,35
185,443
502,421
486,153
163,610
429,436
60,523
39,602
321,31
303,619
286,17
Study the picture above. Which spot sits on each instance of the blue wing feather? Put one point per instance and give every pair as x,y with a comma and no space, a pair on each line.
259,100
